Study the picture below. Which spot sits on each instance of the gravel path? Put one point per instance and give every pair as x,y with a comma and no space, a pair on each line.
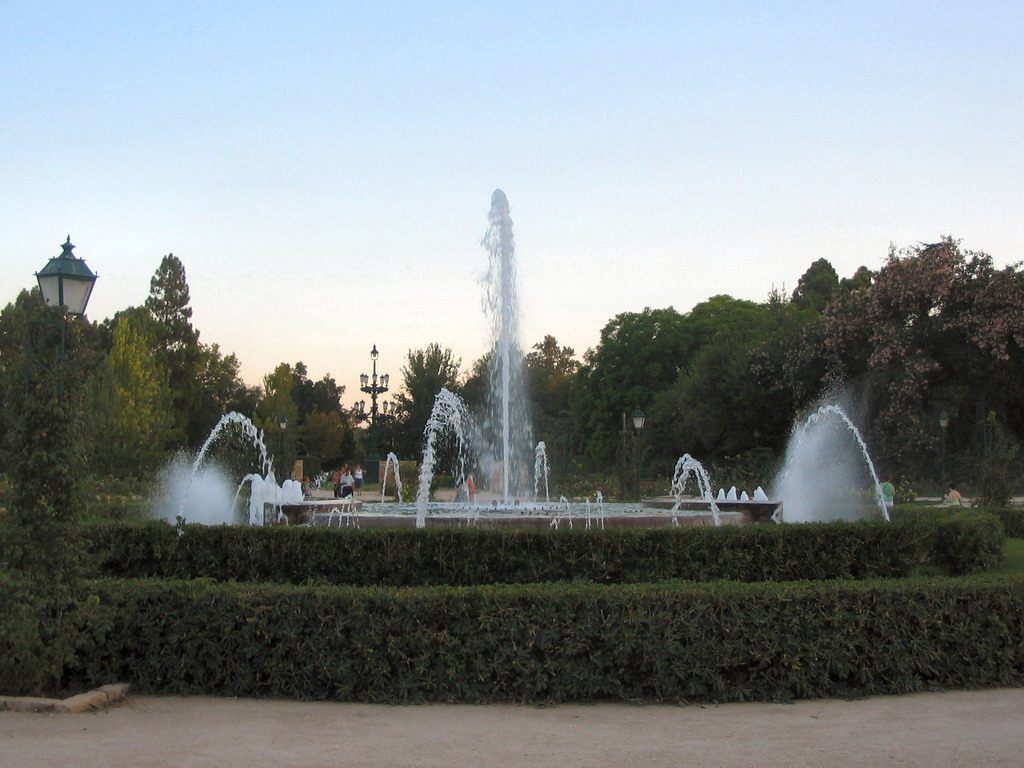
961,728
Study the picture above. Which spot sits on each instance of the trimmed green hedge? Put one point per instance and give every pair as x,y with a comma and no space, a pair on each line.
436,556
468,556
1013,521
960,541
675,641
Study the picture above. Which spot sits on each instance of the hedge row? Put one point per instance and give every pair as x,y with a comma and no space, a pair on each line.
1013,521
402,557
675,641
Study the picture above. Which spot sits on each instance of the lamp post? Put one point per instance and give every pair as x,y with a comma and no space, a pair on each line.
66,282
46,420
282,423
943,423
638,426
371,387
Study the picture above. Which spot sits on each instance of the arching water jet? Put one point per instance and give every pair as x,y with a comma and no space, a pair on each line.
823,471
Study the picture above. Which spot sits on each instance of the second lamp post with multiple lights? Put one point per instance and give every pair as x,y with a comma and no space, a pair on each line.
373,386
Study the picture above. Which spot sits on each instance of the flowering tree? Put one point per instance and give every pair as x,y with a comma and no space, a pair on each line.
939,328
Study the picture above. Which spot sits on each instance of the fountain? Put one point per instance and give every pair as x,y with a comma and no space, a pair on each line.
253,433
726,508
506,431
201,491
686,467
824,469
448,412
199,494
540,470
500,447
391,463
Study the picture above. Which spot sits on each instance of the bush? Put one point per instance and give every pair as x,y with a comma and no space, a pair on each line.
436,556
676,641
38,632
904,492
1001,472
960,541
1012,519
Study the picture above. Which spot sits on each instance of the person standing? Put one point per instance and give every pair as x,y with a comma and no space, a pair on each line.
358,477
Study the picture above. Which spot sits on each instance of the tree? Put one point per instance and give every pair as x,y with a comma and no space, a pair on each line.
639,353
277,404
130,413
861,279
939,328
324,436
323,396
177,344
550,370
168,303
222,389
42,370
817,287
327,433
640,356
426,371
723,406
475,387
43,377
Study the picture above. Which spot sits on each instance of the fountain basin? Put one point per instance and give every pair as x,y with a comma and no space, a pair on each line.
309,512
751,511
520,517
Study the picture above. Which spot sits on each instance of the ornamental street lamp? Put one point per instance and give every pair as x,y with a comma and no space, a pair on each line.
282,423
46,411
638,426
371,387
66,282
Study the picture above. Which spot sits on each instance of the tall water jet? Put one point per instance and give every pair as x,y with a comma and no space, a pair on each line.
827,468
507,432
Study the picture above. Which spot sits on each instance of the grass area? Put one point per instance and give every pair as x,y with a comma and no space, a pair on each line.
1013,559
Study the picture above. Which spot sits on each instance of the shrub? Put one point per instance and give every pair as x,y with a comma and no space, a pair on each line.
1012,519
1001,472
38,632
436,556
960,541
676,641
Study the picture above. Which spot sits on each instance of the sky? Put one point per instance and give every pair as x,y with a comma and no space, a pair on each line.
323,170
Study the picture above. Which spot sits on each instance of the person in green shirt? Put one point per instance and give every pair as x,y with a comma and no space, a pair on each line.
953,498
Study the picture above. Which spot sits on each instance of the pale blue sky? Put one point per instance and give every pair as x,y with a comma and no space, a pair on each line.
323,170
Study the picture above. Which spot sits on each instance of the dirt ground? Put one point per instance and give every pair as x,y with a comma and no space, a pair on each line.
961,728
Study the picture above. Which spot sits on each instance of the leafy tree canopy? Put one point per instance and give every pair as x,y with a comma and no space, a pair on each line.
426,371
818,286
168,303
938,328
